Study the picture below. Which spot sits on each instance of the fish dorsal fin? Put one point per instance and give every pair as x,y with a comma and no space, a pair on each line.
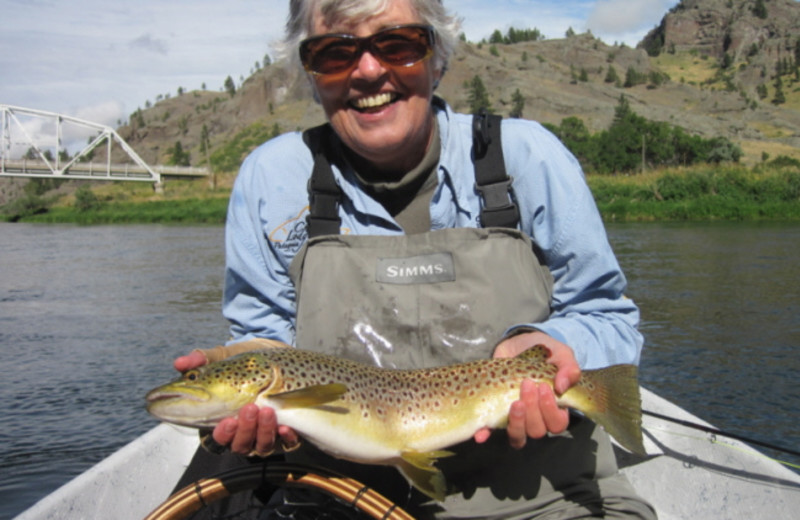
310,396
419,469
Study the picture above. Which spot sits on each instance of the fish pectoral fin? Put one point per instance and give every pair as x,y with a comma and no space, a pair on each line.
425,460
310,396
419,469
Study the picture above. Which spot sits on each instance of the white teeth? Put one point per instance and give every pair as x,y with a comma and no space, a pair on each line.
374,101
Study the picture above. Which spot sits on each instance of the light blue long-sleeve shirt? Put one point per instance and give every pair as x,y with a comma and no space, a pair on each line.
269,202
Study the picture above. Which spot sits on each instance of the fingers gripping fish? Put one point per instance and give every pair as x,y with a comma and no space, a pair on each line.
403,418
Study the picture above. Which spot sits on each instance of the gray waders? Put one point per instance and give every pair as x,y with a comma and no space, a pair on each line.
444,297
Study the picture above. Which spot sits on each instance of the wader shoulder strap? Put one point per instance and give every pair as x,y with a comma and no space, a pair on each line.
491,179
324,195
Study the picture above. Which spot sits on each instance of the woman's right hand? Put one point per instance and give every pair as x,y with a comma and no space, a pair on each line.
253,431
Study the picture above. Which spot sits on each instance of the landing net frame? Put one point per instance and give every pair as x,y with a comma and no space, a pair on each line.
350,492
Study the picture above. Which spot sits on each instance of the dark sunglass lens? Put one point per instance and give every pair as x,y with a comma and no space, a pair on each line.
334,54
329,55
403,46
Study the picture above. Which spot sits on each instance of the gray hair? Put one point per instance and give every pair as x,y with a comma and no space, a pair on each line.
431,12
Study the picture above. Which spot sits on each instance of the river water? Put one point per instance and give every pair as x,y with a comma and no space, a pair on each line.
91,318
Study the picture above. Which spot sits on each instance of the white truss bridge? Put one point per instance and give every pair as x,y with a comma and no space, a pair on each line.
41,135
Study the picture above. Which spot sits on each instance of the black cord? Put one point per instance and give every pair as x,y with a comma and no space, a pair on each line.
721,433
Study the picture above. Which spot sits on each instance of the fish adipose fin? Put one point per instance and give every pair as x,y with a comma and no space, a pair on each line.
310,396
420,470
616,405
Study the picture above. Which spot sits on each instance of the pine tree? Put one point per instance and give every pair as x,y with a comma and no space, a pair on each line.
633,77
780,97
478,96
230,86
611,75
760,9
623,109
517,104
797,52
177,155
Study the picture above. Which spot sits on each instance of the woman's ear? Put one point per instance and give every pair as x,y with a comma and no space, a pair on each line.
314,91
438,74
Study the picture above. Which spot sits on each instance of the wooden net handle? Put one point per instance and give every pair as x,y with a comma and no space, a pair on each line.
199,494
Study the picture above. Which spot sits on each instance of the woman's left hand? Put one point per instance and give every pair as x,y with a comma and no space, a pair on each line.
536,413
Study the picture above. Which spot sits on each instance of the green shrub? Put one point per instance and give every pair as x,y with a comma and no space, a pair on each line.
86,200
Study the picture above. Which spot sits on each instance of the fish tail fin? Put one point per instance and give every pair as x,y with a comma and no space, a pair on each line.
419,469
610,397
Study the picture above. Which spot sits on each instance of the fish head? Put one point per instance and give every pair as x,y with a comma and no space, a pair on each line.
203,396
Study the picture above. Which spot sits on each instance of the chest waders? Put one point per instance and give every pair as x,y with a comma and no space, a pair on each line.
437,298
422,300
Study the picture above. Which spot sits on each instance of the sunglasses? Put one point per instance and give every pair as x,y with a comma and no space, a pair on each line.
400,46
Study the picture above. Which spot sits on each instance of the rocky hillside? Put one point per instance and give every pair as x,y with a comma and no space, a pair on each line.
711,66
756,32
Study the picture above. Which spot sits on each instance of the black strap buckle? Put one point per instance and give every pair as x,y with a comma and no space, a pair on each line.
496,195
493,184
499,208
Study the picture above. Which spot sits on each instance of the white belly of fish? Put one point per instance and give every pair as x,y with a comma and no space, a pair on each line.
342,434
335,434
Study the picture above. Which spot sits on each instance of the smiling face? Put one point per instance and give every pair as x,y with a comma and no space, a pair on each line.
382,113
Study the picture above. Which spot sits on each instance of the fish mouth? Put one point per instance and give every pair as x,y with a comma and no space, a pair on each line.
157,396
194,409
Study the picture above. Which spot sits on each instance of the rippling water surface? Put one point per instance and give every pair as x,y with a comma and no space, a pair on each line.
92,317
720,310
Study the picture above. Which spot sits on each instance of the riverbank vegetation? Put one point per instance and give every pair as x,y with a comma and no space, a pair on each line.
89,202
727,191
638,170
633,143
770,191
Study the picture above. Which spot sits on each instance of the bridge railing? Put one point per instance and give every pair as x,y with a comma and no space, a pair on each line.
95,171
14,133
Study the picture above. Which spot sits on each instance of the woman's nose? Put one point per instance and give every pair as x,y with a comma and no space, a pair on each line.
369,67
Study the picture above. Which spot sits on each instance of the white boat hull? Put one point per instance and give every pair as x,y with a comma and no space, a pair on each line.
689,475
128,484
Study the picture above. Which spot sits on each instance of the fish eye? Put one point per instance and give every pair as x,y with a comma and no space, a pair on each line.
191,375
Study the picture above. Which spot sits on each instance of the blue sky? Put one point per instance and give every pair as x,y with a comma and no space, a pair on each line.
100,60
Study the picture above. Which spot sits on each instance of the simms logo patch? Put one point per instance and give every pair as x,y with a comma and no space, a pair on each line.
423,269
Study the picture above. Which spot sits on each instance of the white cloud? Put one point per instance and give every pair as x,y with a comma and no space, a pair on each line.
70,56
611,20
148,43
552,18
103,113
26,130
624,17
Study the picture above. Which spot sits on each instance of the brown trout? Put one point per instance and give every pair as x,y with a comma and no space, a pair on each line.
403,418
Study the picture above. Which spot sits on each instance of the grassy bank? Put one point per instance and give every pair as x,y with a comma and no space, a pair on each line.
766,192
700,193
182,202
174,211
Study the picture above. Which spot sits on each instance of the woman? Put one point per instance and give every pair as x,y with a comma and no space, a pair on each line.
399,195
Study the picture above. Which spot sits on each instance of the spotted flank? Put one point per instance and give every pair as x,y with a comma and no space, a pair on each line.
404,418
